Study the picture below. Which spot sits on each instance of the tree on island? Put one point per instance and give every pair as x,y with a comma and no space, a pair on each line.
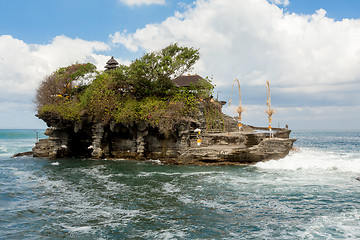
142,91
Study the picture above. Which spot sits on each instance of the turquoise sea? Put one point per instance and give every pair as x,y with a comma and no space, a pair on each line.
311,194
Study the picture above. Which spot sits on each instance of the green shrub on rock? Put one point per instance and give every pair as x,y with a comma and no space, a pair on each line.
140,92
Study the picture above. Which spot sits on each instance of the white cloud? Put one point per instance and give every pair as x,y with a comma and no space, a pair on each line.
325,117
301,55
142,2
24,65
280,2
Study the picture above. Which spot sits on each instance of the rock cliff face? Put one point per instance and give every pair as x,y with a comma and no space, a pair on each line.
142,141
97,140
240,147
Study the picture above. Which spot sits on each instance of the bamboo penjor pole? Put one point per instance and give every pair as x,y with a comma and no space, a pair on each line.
269,111
239,109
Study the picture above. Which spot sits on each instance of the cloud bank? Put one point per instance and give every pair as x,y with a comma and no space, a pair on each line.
256,41
310,60
23,66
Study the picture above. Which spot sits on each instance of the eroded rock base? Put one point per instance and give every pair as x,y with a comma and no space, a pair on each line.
141,141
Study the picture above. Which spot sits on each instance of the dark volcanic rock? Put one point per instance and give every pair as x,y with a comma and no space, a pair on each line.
235,148
142,141
22,154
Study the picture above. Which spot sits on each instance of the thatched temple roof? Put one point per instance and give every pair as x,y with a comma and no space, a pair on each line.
187,80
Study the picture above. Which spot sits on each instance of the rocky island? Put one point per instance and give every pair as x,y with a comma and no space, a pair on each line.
148,110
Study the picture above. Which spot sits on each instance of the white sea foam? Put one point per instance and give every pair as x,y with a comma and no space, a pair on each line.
80,229
99,173
5,152
217,205
336,225
170,188
186,198
2,149
151,174
55,163
182,175
83,229
165,234
307,159
171,234
10,147
156,161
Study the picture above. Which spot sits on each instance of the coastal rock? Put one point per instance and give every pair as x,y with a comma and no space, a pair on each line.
23,154
238,148
142,141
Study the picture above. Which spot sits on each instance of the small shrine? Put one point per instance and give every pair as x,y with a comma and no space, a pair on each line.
111,64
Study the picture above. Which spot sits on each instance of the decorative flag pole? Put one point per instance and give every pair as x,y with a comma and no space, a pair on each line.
239,110
269,111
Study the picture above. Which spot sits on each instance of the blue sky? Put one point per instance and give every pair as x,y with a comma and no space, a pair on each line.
335,8
39,21
309,50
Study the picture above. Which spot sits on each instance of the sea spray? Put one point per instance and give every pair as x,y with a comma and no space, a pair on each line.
316,160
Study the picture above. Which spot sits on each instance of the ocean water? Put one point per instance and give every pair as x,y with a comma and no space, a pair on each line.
311,194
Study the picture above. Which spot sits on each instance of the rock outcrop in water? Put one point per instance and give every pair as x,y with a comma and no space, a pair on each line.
141,141
146,110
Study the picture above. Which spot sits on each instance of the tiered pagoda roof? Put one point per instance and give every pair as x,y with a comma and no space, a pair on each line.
111,64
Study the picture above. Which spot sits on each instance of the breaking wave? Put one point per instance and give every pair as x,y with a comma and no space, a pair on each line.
316,160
